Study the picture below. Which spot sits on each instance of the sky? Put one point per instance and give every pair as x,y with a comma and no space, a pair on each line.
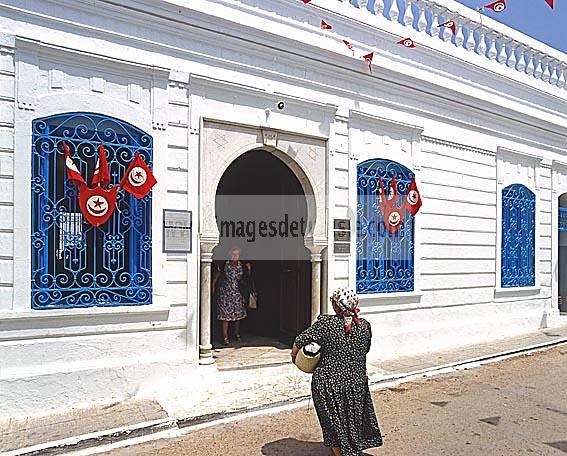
532,17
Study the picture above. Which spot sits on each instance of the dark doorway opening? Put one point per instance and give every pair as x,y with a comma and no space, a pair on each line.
283,284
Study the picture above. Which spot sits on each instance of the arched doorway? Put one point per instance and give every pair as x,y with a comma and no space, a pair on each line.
255,186
562,254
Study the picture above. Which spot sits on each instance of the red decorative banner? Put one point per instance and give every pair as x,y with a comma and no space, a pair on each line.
407,42
413,198
497,6
97,204
101,174
138,179
368,59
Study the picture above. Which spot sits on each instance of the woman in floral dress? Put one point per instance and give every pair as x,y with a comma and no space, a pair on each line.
340,384
230,299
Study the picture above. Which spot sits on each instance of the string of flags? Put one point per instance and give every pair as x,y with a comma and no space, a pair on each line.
97,203
497,6
393,212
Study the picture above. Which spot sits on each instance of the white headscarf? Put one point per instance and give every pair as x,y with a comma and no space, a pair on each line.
347,303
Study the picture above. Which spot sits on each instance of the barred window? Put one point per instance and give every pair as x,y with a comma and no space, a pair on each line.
384,260
518,237
75,264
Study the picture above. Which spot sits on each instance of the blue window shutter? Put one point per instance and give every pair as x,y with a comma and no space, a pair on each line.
518,237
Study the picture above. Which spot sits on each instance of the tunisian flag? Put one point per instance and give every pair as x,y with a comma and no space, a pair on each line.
393,215
97,204
413,198
73,174
101,175
138,179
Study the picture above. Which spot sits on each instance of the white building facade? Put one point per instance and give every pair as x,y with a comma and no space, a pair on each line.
207,88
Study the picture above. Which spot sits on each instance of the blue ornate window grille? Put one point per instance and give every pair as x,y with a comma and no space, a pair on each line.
73,263
563,219
518,237
384,261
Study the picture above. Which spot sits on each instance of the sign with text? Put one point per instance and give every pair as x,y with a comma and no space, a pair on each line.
177,231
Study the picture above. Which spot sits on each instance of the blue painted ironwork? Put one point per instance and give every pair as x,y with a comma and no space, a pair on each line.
563,219
73,263
384,261
518,237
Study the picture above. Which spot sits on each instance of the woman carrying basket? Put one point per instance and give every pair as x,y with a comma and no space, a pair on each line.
340,384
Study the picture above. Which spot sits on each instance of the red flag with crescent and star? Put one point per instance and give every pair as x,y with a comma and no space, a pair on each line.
498,6
97,204
101,174
413,198
450,25
73,174
550,3
393,215
138,179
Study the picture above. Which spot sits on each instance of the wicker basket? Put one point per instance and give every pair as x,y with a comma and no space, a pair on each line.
307,363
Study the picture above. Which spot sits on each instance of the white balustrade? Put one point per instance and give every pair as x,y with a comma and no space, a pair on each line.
394,11
492,51
512,54
530,59
408,14
553,69
521,64
481,46
459,36
546,73
562,80
379,7
469,43
472,34
421,19
538,71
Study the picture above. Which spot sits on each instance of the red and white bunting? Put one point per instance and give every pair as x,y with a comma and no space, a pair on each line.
498,6
325,25
368,59
407,42
450,25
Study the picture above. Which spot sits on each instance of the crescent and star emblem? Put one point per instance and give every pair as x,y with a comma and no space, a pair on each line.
394,219
137,176
412,197
97,206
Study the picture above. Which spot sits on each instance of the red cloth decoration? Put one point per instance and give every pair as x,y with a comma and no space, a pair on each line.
348,45
73,173
407,42
138,179
97,204
497,6
101,174
450,25
413,198
368,59
393,215
326,26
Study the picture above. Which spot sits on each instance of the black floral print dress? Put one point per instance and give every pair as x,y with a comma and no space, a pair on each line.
230,302
340,385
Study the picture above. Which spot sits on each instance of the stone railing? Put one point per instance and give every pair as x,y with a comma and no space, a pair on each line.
485,36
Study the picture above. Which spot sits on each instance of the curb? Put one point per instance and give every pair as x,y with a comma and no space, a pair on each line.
103,441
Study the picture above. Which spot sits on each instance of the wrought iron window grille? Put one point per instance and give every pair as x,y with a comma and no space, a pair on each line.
518,237
384,260
73,263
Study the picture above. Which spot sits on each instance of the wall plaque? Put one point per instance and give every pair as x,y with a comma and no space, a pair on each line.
342,224
343,247
177,231
342,236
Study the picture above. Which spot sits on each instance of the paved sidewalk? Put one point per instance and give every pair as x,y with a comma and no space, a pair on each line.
245,378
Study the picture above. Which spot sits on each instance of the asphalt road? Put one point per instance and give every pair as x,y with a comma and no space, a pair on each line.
511,408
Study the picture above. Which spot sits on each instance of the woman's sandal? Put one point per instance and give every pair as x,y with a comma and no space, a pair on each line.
225,341
238,338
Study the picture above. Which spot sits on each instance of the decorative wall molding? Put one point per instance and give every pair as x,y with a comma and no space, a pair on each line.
454,145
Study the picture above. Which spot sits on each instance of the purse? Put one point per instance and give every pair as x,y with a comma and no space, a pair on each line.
308,357
253,300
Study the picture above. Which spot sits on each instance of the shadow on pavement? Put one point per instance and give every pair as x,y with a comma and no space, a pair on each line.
294,447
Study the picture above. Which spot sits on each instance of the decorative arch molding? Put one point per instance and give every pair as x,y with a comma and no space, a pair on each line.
223,143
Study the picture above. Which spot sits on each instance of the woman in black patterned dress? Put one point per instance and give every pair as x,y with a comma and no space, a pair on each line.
340,384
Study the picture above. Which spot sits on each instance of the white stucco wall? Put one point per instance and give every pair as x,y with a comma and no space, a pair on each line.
467,126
